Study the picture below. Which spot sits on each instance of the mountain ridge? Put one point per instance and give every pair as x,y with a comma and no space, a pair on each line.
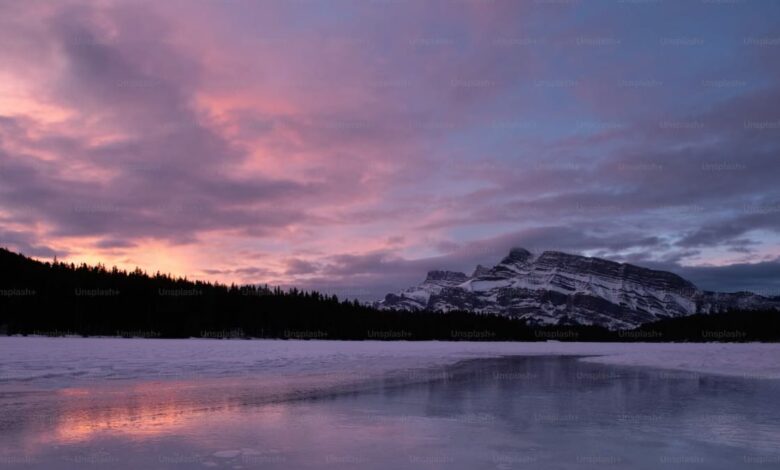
562,288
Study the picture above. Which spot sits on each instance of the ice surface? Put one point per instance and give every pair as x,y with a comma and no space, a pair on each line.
71,403
64,361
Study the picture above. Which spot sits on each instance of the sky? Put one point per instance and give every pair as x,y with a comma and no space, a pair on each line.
352,145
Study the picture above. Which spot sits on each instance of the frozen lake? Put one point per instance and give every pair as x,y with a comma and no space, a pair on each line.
125,403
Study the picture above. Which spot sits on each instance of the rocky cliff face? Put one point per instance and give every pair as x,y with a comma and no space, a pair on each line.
560,288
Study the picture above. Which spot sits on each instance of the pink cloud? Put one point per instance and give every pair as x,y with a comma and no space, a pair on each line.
356,144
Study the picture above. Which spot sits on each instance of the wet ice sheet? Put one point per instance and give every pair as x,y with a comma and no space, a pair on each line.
134,403
526,412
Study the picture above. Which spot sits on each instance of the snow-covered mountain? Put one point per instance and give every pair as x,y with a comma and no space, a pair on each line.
560,288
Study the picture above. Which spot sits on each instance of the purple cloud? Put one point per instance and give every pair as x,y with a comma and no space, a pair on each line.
351,146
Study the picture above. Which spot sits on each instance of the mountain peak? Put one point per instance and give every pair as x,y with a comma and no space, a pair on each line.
517,255
480,271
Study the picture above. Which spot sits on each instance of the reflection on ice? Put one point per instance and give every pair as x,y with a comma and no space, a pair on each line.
539,412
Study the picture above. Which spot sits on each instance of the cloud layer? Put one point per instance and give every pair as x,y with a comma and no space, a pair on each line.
350,146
